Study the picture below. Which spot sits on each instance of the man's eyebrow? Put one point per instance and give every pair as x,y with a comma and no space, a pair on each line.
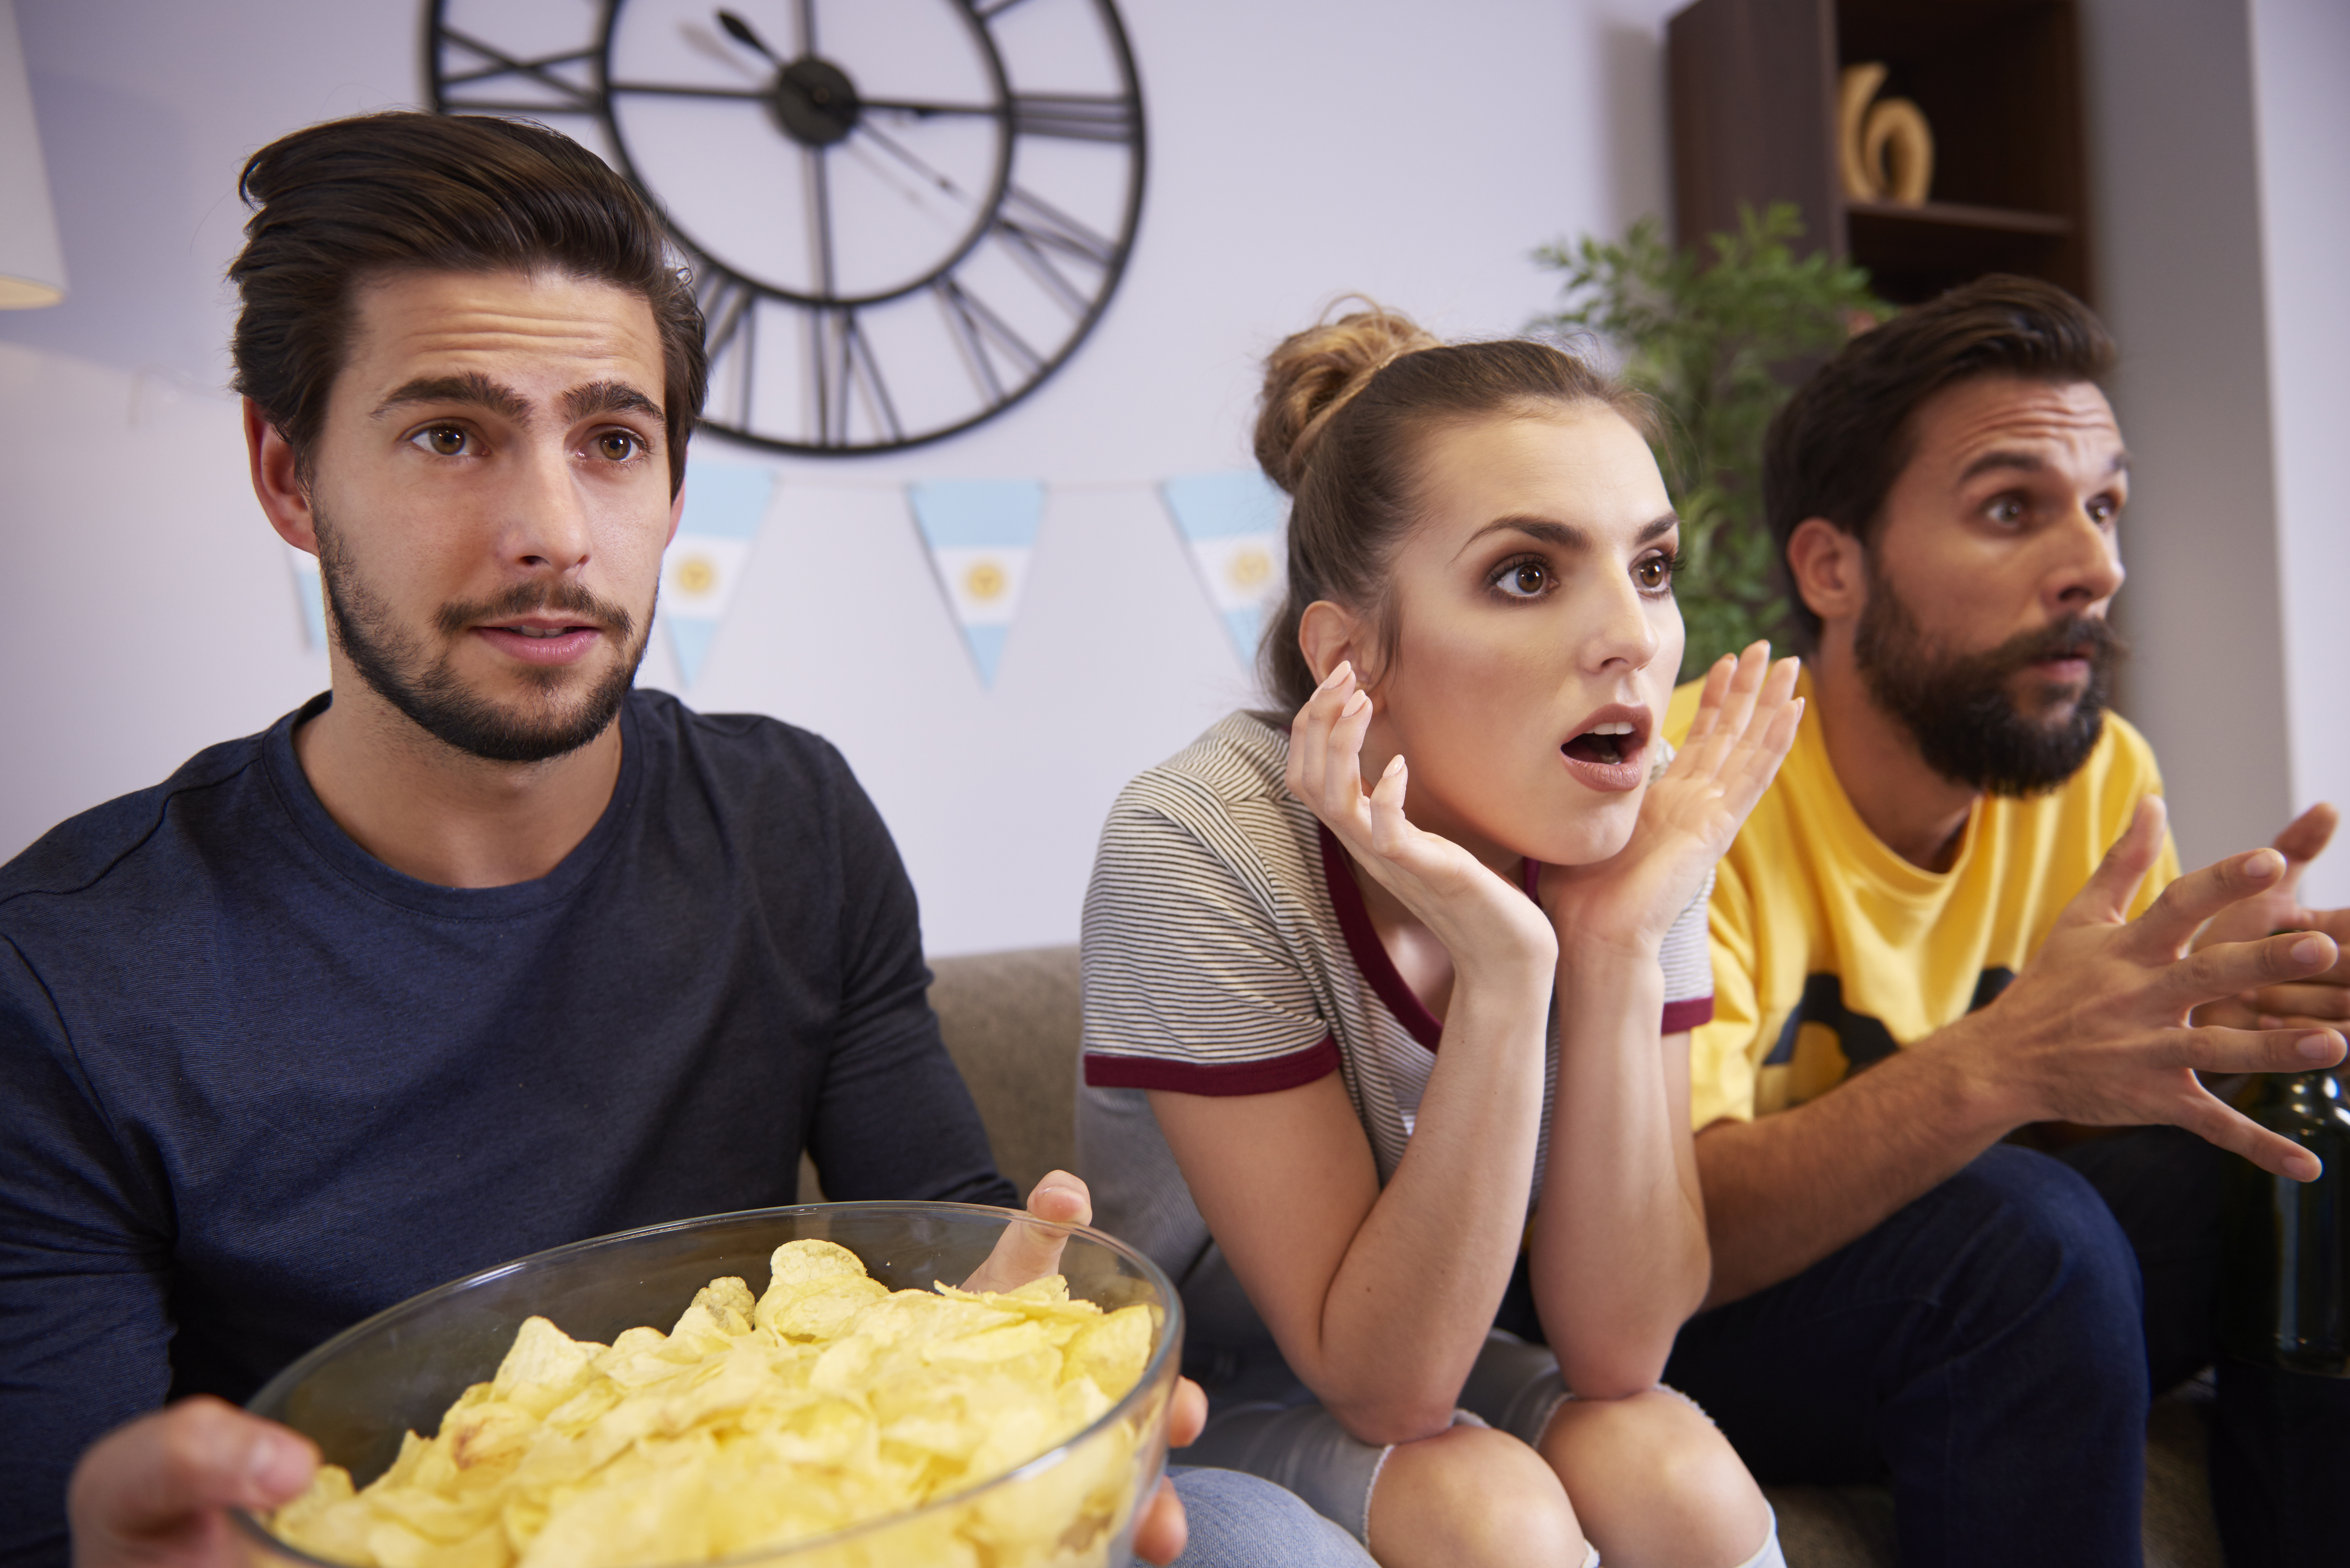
472,388
2020,461
1566,536
607,397
2027,462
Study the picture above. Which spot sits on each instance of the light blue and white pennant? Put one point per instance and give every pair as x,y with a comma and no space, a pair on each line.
724,505
309,597
981,533
1232,523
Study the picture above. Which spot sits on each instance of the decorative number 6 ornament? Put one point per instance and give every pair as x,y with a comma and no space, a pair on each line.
902,215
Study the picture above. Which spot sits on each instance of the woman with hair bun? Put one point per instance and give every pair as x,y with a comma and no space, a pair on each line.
1387,994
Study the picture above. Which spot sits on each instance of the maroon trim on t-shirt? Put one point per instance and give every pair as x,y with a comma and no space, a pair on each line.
1687,1013
1371,955
1105,1071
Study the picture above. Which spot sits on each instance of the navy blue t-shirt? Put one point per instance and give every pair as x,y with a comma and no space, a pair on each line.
259,1085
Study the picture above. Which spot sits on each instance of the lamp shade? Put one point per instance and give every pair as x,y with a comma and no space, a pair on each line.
32,269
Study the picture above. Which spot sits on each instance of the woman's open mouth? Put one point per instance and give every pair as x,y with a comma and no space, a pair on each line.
1610,753
1602,743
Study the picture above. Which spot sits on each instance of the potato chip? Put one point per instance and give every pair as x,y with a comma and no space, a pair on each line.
722,1310
1111,1350
826,1402
543,1368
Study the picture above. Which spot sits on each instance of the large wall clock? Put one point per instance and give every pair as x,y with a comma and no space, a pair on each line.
902,215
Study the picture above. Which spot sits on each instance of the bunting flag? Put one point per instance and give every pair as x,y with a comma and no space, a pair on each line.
309,597
1232,523
980,533
724,505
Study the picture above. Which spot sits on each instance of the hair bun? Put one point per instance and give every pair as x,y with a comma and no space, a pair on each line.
1312,374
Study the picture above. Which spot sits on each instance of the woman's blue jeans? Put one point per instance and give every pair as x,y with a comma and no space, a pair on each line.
1240,1522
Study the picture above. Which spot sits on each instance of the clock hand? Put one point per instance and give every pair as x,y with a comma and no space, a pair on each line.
820,183
890,145
741,33
820,188
921,110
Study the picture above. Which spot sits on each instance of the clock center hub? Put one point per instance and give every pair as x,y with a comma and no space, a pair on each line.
813,102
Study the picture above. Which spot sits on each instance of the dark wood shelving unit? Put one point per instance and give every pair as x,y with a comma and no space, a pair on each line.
1754,90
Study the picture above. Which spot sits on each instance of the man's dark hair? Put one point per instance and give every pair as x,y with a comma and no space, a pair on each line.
353,200
1834,450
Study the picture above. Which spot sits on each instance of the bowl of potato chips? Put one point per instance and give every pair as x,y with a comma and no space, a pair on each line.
803,1387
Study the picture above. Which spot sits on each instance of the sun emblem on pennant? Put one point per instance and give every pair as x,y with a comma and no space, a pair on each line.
696,576
1249,569
985,581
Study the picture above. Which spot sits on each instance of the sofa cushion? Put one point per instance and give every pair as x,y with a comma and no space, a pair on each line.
1011,1023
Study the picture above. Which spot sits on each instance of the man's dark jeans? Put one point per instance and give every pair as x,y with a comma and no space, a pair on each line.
1990,1348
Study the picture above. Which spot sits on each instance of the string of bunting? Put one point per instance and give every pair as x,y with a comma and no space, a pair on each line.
979,533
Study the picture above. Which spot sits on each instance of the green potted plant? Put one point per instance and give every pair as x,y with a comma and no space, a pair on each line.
1718,341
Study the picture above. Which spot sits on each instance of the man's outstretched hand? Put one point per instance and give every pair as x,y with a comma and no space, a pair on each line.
2097,1028
2320,1002
156,1493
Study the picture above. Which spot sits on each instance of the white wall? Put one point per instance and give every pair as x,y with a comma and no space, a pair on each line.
2175,207
2221,181
2300,65
1297,150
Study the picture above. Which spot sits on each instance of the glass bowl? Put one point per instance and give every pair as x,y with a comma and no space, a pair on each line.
401,1369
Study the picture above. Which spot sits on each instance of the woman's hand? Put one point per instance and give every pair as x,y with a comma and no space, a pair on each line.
1487,925
1483,922
1746,720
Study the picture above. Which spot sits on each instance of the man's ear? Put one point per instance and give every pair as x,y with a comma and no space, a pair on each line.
676,515
1328,632
1830,568
277,480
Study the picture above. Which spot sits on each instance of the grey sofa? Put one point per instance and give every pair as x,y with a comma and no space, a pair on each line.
1011,1022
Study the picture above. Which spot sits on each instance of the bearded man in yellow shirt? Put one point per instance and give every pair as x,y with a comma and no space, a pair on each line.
1958,914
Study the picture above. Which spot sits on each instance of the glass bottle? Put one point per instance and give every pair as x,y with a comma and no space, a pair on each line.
2284,1283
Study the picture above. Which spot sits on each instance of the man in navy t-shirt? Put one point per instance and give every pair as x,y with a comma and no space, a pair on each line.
483,951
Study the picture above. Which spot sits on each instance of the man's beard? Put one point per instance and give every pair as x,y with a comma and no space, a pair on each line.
1961,709
432,693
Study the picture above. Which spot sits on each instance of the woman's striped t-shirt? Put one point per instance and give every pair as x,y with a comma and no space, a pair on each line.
1227,952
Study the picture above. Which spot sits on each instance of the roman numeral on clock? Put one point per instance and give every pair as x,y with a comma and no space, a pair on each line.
983,337
847,381
730,317
1077,117
511,71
